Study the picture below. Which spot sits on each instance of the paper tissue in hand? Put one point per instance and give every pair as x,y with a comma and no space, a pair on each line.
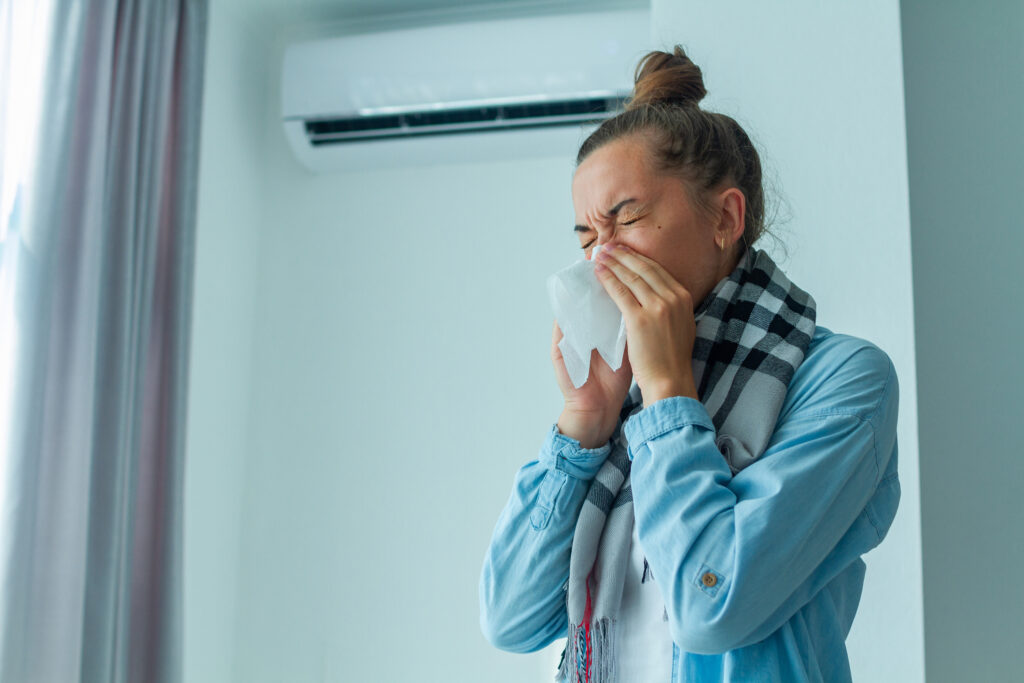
588,318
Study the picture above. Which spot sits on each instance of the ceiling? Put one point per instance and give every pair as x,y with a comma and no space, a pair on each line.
358,7
283,13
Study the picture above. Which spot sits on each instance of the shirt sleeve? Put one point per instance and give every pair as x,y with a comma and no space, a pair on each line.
526,567
736,556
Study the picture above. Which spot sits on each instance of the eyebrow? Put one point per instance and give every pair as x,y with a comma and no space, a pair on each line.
611,212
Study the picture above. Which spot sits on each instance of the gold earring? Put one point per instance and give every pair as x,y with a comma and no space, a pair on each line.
721,244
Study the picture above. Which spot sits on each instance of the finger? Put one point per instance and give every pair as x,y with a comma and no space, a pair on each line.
634,282
620,293
653,273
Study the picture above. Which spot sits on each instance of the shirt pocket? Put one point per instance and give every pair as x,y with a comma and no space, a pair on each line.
550,486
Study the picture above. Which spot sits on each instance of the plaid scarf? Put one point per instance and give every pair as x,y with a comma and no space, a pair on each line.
753,330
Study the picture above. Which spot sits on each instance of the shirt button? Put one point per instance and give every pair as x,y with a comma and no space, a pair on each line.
709,579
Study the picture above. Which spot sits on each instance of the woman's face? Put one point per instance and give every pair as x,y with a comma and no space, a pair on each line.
619,198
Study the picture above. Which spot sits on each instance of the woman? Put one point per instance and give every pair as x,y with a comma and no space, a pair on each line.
700,513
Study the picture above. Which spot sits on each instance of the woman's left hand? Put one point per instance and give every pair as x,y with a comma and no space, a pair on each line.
660,328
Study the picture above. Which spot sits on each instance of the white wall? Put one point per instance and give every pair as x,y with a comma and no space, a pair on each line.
403,336
227,248
819,87
399,335
965,103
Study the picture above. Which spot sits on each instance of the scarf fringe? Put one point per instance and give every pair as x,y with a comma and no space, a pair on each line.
600,651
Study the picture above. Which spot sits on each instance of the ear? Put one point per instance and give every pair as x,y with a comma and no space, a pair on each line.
732,209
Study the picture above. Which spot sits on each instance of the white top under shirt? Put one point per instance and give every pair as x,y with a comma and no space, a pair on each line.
644,646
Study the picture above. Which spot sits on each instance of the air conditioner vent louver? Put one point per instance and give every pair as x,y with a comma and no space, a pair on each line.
337,130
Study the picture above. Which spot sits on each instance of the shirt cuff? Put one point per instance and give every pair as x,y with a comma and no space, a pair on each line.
564,453
662,417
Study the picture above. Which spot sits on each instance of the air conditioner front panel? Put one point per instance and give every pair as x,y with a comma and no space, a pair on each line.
537,57
484,86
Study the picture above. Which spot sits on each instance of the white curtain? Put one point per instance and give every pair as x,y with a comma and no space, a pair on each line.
99,133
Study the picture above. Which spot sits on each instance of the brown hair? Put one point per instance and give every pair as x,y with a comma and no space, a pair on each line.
705,149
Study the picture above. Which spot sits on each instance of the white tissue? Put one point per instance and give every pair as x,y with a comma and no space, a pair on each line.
588,318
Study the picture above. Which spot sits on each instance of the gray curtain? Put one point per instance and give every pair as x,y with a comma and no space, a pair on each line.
100,261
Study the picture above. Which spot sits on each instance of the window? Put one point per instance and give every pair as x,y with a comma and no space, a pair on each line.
25,29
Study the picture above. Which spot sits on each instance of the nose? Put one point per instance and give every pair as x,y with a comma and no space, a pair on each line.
604,238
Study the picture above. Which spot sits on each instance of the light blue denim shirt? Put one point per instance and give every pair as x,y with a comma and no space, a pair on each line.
784,536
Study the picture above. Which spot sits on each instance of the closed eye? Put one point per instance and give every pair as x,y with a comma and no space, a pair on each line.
587,245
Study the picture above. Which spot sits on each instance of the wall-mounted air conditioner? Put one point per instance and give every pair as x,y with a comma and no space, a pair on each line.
467,91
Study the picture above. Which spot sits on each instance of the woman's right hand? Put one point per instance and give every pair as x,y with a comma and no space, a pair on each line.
592,411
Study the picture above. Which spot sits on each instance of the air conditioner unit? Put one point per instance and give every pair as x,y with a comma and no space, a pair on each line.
467,91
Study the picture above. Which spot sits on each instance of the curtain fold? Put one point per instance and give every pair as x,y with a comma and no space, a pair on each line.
92,512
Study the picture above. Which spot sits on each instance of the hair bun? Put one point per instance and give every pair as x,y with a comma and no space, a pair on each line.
667,78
